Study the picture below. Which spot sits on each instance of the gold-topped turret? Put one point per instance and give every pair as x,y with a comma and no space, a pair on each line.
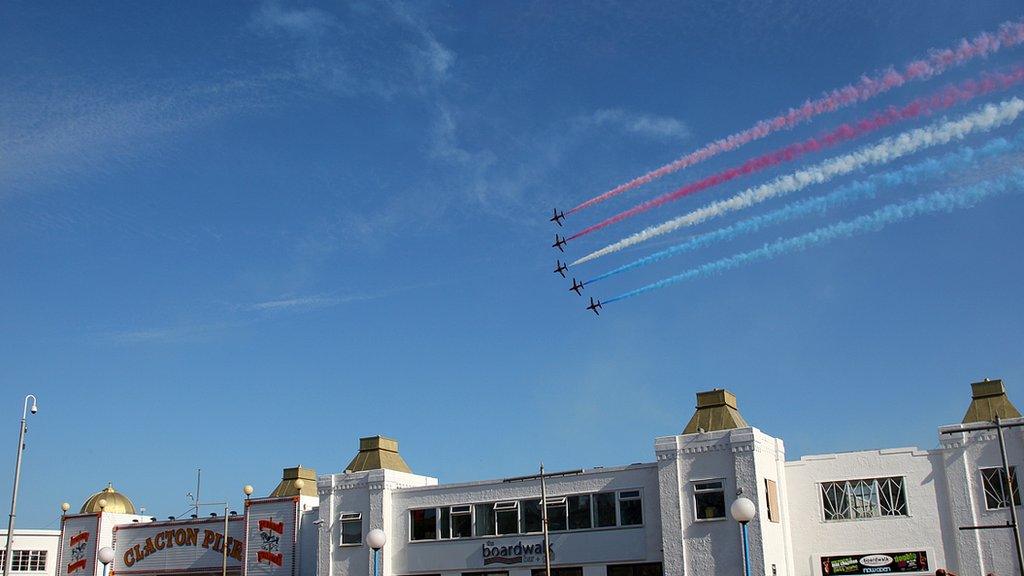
716,410
375,453
108,500
988,400
297,481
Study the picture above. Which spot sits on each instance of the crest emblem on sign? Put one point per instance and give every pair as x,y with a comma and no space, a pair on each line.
270,545
78,542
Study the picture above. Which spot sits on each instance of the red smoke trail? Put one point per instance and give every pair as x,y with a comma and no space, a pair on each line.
937,62
941,100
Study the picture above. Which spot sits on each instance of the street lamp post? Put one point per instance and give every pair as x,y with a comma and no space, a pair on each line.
9,555
376,539
743,511
105,555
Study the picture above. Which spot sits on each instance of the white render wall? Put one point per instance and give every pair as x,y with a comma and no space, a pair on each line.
922,529
962,456
742,458
48,540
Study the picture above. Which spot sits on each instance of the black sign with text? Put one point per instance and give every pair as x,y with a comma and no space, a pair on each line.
887,563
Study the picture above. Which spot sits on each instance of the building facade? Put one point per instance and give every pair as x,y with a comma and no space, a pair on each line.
876,511
35,552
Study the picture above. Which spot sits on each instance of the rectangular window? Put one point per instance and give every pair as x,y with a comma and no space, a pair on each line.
484,519
646,569
462,521
531,516
997,490
26,560
863,498
351,528
631,511
772,497
557,519
709,499
579,512
604,509
424,524
446,523
506,517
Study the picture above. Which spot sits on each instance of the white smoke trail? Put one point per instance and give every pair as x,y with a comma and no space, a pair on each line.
886,150
943,201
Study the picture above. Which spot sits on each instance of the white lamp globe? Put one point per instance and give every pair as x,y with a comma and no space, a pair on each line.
105,555
376,538
743,510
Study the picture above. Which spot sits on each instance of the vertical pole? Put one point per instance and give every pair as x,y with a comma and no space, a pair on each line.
224,561
9,554
375,553
544,521
1013,503
746,552
199,477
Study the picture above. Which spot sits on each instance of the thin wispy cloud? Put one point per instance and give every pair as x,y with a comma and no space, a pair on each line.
644,125
272,18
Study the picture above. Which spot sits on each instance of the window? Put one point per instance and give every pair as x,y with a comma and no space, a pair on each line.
424,524
865,498
506,517
462,521
351,528
446,523
579,512
997,490
557,514
560,571
26,560
484,520
531,515
709,499
604,509
772,497
648,569
630,508
502,573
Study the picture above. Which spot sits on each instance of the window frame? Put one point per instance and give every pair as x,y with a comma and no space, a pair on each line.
452,513
619,499
721,489
850,507
507,506
349,518
437,524
1012,484
28,557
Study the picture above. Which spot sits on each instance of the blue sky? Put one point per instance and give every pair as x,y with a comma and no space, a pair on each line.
239,236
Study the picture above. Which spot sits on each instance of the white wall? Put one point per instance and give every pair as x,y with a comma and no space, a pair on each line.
813,537
962,456
742,458
48,540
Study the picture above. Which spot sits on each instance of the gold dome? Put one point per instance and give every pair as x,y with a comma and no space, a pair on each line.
115,502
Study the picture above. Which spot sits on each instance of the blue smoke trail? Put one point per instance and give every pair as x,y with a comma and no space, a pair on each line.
965,158
943,201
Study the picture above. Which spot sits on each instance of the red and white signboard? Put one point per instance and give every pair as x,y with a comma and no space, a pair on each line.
79,535
179,546
271,535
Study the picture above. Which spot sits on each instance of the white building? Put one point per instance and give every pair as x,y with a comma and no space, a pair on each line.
35,552
876,511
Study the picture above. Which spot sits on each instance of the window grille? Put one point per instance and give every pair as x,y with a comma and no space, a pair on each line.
864,498
997,489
